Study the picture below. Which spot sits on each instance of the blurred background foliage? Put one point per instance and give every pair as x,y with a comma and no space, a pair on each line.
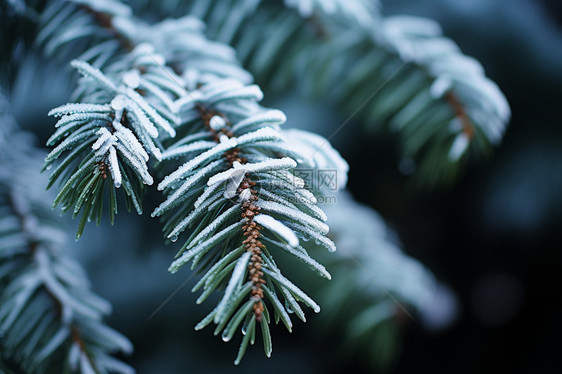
493,237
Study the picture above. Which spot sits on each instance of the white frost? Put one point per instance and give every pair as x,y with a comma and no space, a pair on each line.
459,147
439,87
266,133
294,214
278,227
237,274
118,102
217,123
197,161
75,108
270,117
223,138
132,78
238,170
114,167
104,135
271,164
91,72
127,137
185,149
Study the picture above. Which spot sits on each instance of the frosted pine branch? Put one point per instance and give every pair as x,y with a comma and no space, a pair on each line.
108,143
232,200
49,318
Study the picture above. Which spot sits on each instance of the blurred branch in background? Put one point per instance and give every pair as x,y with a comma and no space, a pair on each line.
376,287
48,315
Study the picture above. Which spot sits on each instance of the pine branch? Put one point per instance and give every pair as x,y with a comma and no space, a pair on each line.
109,142
396,73
239,201
50,321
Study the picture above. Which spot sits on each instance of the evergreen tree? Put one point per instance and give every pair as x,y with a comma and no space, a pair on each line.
166,109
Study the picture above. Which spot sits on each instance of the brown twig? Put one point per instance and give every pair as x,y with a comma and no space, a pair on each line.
460,113
251,230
